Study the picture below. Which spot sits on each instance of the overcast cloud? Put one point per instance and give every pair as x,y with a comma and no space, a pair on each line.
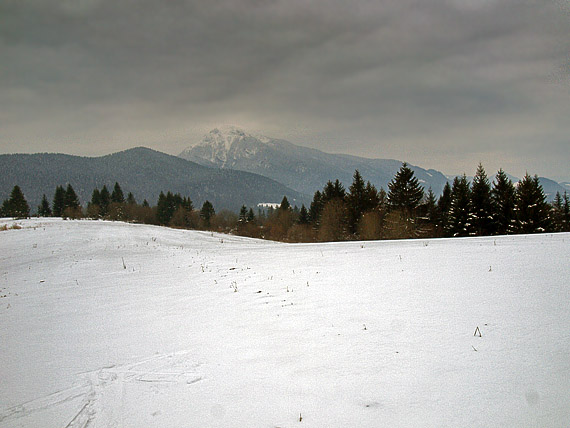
443,84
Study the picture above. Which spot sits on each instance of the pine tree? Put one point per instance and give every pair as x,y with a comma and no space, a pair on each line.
430,208
460,209
242,218
566,213
206,213
557,213
44,209
16,205
316,209
105,201
72,208
58,201
531,207
481,203
443,206
131,199
405,192
250,218
303,216
503,203
285,205
117,195
356,201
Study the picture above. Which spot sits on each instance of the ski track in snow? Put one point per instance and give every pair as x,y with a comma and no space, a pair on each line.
108,384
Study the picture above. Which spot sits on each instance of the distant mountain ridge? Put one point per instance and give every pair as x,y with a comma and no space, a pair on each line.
142,171
300,168
307,170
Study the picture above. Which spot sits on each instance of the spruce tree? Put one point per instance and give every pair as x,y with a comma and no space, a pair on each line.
207,213
443,206
71,200
460,209
105,201
303,215
285,205
44,209
117,195
316,209
242,218
503,203
16,205
131,199
58,201
566,213
481,204
356,201
430,208
557,213
405,192
250,216
531,209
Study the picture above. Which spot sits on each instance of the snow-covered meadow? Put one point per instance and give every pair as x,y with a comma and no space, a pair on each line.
117,325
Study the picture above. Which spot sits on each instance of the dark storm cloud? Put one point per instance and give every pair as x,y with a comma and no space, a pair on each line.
447,80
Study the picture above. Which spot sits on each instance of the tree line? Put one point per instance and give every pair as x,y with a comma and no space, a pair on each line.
361,212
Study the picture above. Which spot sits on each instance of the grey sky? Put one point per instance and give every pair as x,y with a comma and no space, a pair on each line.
443,84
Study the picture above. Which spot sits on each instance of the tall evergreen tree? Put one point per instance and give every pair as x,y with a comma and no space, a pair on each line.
44,209
242,218
71,200
531,207
58,201
285,206
250,218
481,203
565,213
117,195
207,213
105,201
443,206
430,208
460,210
131,199
16,205
405,192
303,215
557,213
356,201
503,203
316,209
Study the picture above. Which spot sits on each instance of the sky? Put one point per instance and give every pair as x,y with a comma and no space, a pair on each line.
441,84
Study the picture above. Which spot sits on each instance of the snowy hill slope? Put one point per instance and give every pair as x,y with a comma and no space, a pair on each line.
110,324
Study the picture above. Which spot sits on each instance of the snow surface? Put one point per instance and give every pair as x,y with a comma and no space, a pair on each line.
116,325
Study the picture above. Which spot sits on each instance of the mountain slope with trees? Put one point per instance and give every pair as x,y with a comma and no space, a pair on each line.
142,171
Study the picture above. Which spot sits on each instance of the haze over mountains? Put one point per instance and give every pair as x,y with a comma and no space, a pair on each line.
307,170
228,167
142,171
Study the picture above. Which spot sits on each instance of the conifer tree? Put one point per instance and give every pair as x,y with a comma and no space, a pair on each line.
71,200
285,205
131,199
316,209
104,201
503,203
206,213
242,218
566,213
16,205
460,209
557,213
531,207
443,206
357,202
44,209
430,208
250,218
58,201
405,192
117,195
481,204
303,215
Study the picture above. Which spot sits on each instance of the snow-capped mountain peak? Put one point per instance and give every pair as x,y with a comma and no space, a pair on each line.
222,144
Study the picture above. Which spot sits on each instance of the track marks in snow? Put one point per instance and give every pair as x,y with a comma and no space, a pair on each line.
99,395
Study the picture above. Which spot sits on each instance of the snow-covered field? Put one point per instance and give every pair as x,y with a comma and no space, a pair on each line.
115,325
